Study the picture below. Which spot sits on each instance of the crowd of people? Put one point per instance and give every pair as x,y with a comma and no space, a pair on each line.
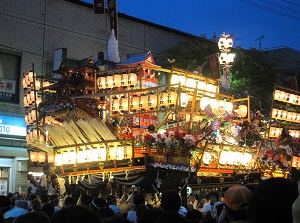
271,201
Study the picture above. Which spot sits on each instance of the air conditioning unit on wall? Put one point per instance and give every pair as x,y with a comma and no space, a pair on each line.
23,165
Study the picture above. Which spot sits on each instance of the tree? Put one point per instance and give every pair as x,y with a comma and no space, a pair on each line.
250,74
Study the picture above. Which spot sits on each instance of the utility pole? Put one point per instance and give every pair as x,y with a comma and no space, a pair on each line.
259,39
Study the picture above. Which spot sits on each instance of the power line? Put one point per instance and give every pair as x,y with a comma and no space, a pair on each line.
292,3
271,10
281,6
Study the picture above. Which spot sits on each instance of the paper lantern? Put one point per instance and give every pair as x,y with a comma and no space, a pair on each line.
109,82
117,80
124,80
41,157
243,110
58,159
50,158
134,103
123,104
184,97
101,83
143,103
152,101
172,98
33,156
204,102
132,80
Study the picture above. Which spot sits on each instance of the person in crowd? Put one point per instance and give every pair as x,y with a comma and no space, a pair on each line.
69,201
209,209
33,217
33,187
171,217
170,201
138,200
36,205
59,188
112,203
44,197
18,210
194,216
48,209
54,200
45,182
236,199
75,214
105,214
98,203
5,203
192,201
149,215
271,201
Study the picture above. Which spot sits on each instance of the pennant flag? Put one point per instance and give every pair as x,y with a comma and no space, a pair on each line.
99,7
112,11
214,66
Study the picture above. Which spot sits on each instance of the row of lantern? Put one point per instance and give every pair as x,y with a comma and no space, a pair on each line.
276,132
193,83
117,80
41,157
93,154
285,115
143,102
28,80
225,44
286,97
214,103
230,158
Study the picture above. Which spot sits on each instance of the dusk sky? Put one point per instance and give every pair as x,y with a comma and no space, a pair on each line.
278,21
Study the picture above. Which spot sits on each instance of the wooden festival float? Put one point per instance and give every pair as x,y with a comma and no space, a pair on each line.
122,127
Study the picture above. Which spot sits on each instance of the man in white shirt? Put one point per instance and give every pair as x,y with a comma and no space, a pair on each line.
46,179
59,188
32,186
209,209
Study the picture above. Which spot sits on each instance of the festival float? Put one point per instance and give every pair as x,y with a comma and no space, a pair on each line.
122,126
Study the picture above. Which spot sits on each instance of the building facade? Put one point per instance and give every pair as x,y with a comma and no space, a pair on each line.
31,32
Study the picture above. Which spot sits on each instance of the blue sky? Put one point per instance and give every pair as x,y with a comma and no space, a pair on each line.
277,20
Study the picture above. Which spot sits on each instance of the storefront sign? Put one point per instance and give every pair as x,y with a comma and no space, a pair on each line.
12,126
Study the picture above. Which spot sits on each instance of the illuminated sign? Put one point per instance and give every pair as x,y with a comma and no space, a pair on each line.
12,126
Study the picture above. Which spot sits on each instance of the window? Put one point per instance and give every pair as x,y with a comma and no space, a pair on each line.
9,76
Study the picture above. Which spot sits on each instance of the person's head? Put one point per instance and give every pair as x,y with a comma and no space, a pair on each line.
46,169
271,201
111,199
236,199
149,215
213,196
54,179
51,170
170,201
138,200
192,198
194,216
30,177
36,204
69,201
75,214
44,197
22,204
98,203
33,217
4,201
48,209
105,213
